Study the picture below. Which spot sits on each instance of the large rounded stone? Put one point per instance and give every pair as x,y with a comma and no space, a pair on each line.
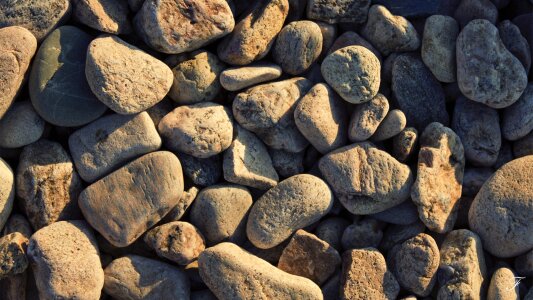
20,126
337,11
438,47
518,118
7,191
104,15
366,118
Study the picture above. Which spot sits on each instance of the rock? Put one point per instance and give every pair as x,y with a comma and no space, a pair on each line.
321,116
182,26
13,254
137,277
17,47
414,263
338,11
254,34
515,42
353,72
365,276
111,141
505,155
127,202
438,47
330,231
523,22
203,295
366,118
362,234
523,146
135,5
125,78
418,94
389,33
469,10
287,164
473,180
7,191
398,234
18,223
437,188
201,130
202,171
70,269
462,269
297,46
180,209
296,10
487,72
350,38
503,285
248,163
47,184
220,213
179,242
308,256
38,16
404,144
517,119
365,179
294,203
392,125
412,8
523,264
330,289
329,34
267,110
403,214
58,88
507,197
14,286
161,109
20,126
196,79
237,78
232,273
103,15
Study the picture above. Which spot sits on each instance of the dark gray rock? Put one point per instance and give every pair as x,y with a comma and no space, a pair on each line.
515,42
397,234
362,234
202,171
517,119
402,214
337,11
412,8
469,10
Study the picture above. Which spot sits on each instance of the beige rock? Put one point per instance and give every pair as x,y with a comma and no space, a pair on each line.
184,203
7,191
104,15
503,285
392,125
366,118
404,144
20,126
438,46
237,78
13,254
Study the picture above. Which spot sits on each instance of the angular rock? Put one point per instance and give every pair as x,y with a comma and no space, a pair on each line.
202,171
7,191
515,42
469,10
351,38
392,125
20,126
338,11
13,258
517,119
438,47
104,15
503,285
362,234
125,203
237,78
330,231
403,145
366,118
287,164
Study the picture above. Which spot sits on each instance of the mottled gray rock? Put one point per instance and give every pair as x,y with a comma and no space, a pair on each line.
330,231
351,38
404,144
237,78
104,15
366,118
397,234
161,109
362,234
20,126
391,125
517,119
7,191
515,42
202,171
287,164
13,258
438,47
503,285
403,214
473,180
523,146
338,11
469,10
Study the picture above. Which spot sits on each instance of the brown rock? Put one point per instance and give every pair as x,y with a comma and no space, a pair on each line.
503,285
104,15
13,254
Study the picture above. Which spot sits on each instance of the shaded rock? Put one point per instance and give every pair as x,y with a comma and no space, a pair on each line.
296,10
20,126
391,125
503,285
161,109
7,191
404,144
180,209
362,234
505,155
13,258
103,15
412,8
473,180
330,289
18,223
523,146
329,33
237,78
338,11
351,38
523,264
202,171
438,47
515,42
366,118
517,121
330,231
398,234
287,164
403,214
469,10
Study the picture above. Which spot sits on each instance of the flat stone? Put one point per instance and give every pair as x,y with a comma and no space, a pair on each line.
287,164
293,204
254,34
20,126
58,87
439,180
137,277
103,15
402,214
232,273
17,47
125,203
125,78
353,72
330,231
111,141
506,197
365,179
392,125
486,71
515,42
238,78
366,118
438,47
517,121
13,258
404,144
469,10
362,234
201,130
202,171
171,26
412,8
47,184
65,261
338,11
503,285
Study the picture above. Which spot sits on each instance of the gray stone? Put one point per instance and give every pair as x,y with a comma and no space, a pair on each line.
362,234
238,78
517,121
398,234
338,11
329,34
20,126
469,10
7,192
515,42
438,47
391,126
402,214
287,164
404,144
161,109
351,38
330,231
183,205
104,15
366,118
523,146
474,179
503,285
202,171
414,8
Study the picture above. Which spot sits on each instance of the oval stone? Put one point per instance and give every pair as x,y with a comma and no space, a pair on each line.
20,126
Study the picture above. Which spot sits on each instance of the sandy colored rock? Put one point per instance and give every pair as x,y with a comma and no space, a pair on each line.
47,184
232,273
127,202
353,72
135,277
7,191
104,15
20,126
201,130
438,46
517,119
13,258
70,269
254,34
202,171
366,118
362,234
486,71
351,38
439,180
365,276
503,285
404,144
469,10
125,78
515,42
365,179
507,197
237,78
111,141
330,231
392,125
338,11
294,203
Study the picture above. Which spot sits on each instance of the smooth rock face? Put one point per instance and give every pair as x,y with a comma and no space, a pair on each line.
13,258
125,78
20,126
365,179
254,35
171,26
389,33
502,211
439,180
40,17
124,204
247,162
486,71
366,118
17,47
58,87
136,277
104,15
268,109
7,191
237,78
518,118
438,47
353,72
201,130
392,125
365,276
478,127
47,184
70,269
515,42
503,285
321,116
294,203
104,145
338,11
403,145
469,10
232,273
462,269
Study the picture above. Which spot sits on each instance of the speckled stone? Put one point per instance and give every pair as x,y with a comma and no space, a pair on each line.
438,47
366,118
338,11
237,78
20,126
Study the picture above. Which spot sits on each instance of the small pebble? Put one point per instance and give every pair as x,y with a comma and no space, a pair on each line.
202,171
398,234
404,144
238,78
13,258
330,231
182,207
391,126
20,126
366,118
